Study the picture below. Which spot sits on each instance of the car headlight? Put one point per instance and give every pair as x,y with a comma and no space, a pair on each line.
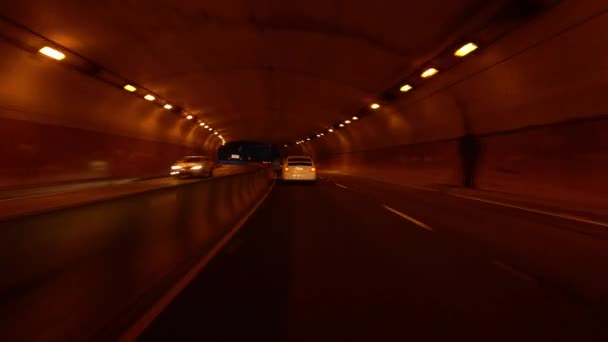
197,167
176,167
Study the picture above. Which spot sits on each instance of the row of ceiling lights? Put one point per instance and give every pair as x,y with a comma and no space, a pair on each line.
427,73
58,55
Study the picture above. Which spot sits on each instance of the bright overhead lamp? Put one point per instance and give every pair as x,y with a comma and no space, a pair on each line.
318,135
374,106
189,117
50,52
405,88
307,139
355,118
429,72
206,126
150,97
168,106
330,130
465,50
211,129
322,134
216,133
341,125
202,124
129,88
347,122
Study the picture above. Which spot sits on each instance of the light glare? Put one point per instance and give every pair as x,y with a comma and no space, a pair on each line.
347,122
189,117
355,118
150,97
50,52
374,106
168,106
429,72
405,88
465,50
130,88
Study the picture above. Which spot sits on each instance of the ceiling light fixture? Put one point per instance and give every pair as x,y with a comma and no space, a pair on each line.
347,122
211,129
202,124
429,72
405,88
374,106
150,97
168,106
330,130
355,118
129,88
465,50
341,125
189,117
50,52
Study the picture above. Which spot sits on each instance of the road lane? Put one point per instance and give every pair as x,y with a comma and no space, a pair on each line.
27,202
327,263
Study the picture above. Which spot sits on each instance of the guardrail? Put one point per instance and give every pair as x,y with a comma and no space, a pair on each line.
88,271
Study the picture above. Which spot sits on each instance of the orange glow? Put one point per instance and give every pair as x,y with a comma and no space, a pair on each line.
313,169
429,72
465,50
50,52
286,169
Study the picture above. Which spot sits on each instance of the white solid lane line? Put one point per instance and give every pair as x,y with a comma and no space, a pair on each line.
409,218
342,186
548,213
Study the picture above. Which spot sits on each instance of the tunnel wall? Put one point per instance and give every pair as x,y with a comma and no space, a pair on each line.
535,99
39,154
58,124
89,271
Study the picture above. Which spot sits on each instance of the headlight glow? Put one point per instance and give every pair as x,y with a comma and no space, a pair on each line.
176,167
197,167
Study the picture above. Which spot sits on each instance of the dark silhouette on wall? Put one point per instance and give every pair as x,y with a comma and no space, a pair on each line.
469,156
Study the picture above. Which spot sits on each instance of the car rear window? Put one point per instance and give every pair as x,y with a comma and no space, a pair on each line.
299,161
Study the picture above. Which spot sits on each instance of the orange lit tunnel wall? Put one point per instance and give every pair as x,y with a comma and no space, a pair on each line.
57,125
536,100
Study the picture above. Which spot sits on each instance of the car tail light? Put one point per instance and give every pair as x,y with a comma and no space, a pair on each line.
313,169
286,169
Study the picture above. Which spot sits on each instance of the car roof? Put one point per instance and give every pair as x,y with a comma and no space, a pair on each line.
293,157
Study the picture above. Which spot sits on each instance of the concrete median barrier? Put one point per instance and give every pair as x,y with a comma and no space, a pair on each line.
86,271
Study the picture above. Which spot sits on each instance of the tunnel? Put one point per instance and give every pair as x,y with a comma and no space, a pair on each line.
453,160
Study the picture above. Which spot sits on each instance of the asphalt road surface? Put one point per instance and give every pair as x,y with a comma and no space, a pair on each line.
353,260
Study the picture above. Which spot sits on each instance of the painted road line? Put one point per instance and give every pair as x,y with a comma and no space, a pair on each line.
342,186
537,211
409,218
146,319
513,271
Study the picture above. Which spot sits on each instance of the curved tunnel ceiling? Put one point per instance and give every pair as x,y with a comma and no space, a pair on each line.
273,71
